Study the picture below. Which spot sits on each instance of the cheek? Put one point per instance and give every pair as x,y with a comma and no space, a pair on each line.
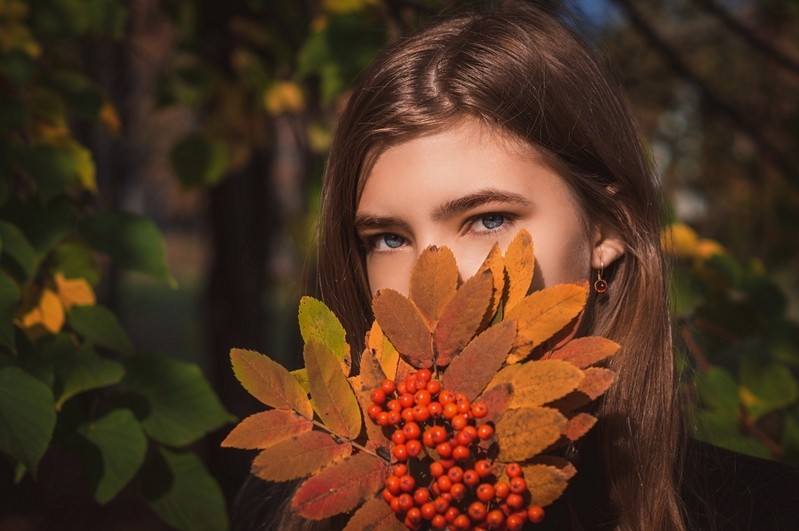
561,258
390,271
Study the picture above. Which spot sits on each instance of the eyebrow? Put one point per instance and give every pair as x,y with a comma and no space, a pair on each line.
477,199
369,221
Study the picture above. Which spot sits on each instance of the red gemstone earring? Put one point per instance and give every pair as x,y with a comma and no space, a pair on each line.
600,284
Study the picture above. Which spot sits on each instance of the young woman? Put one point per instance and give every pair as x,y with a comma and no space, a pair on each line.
461,135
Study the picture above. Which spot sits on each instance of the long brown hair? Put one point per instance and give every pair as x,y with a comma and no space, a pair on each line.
524,72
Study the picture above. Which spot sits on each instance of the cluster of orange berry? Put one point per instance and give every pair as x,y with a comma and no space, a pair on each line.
443,476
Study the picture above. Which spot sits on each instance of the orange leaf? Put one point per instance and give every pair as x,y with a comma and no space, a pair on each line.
340,487
48,313
539,382
299,456
520,266
434,281
371,372
585,351
463,317
383,350
579,425
497,399
405,327
374,433
333,398
542,314
375,515
496,265
597,380
266,428
74,292
525,432
546,483
269,382
472,369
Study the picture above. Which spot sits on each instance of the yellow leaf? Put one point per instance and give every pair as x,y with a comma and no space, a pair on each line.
74,292
283,96
299,456
333,398
546,483
383,350
520,266
706,248
679,240
496,264
47,314
301,375
109,117
525,432
539,382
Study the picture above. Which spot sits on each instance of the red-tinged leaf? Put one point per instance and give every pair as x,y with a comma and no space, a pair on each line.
473,368
497,399
585,351
520,267
371,372
340,487
597,380
579,425
434,281
495,263
269,382
542,314
463,317
383,350
299,456
333,398
317,321
375,515
374,433
527,431
546,483
539,382
265,429
405,327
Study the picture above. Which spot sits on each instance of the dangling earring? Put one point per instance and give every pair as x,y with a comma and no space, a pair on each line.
600,284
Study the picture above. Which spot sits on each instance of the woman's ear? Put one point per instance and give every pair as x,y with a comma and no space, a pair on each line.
608,247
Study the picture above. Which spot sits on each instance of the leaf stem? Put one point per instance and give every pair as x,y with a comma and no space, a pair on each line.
352,442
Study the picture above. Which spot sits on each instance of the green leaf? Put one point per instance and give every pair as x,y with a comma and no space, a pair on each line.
9,296
100,326
87,371
78,92
27,416
51,167
122,445
183,493
317,321
17,67
18,254
75,261
132,241
719,391
715,429
765,388
183,407
199,161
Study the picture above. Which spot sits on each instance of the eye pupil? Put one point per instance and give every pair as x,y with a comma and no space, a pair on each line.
492,221
393,241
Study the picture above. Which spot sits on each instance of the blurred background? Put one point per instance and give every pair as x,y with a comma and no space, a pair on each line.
164,158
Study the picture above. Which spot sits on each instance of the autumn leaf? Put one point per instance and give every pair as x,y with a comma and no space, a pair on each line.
269,382
405,327
546,483
383,350
539,382
434,281
495,263
520,267
579,425
371,373
265,429
462,317
340,486
585,351
47,314
333,398
318,322
74,292
497,399
473,368
299,456
375,438
301,375
525,432
543,313
375,515
597,380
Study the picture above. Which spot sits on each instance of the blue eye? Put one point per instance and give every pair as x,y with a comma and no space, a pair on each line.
393,241
492,221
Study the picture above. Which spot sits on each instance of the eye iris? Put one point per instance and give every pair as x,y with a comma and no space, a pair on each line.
492,221
393,241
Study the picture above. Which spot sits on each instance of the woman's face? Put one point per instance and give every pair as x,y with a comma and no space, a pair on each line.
466,188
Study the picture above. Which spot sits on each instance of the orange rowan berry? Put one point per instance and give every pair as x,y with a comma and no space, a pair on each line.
515,501
436,469
433,387
399,470
414,515
407,483
421,496
470,478
378,396
427,438
394,418
464,407
394,504
495,519
407,415
392,485
400,452
513,470
413,526
398,437
428,511
439,434
387,496
518,485
435,409
405,501
414,447
461,453
459,422
477,511
401,387
382,419
410,385
464,438
458,491
535,514
373,411
422,397
412,430
451,514
438,522
447,463
444,449
424,375
450,410
394,405
483,468
444,483
479,410
446,396
405,400
485,492
455,474
387,386
514,522
462,522
420,413
501,489
485,432
441,504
